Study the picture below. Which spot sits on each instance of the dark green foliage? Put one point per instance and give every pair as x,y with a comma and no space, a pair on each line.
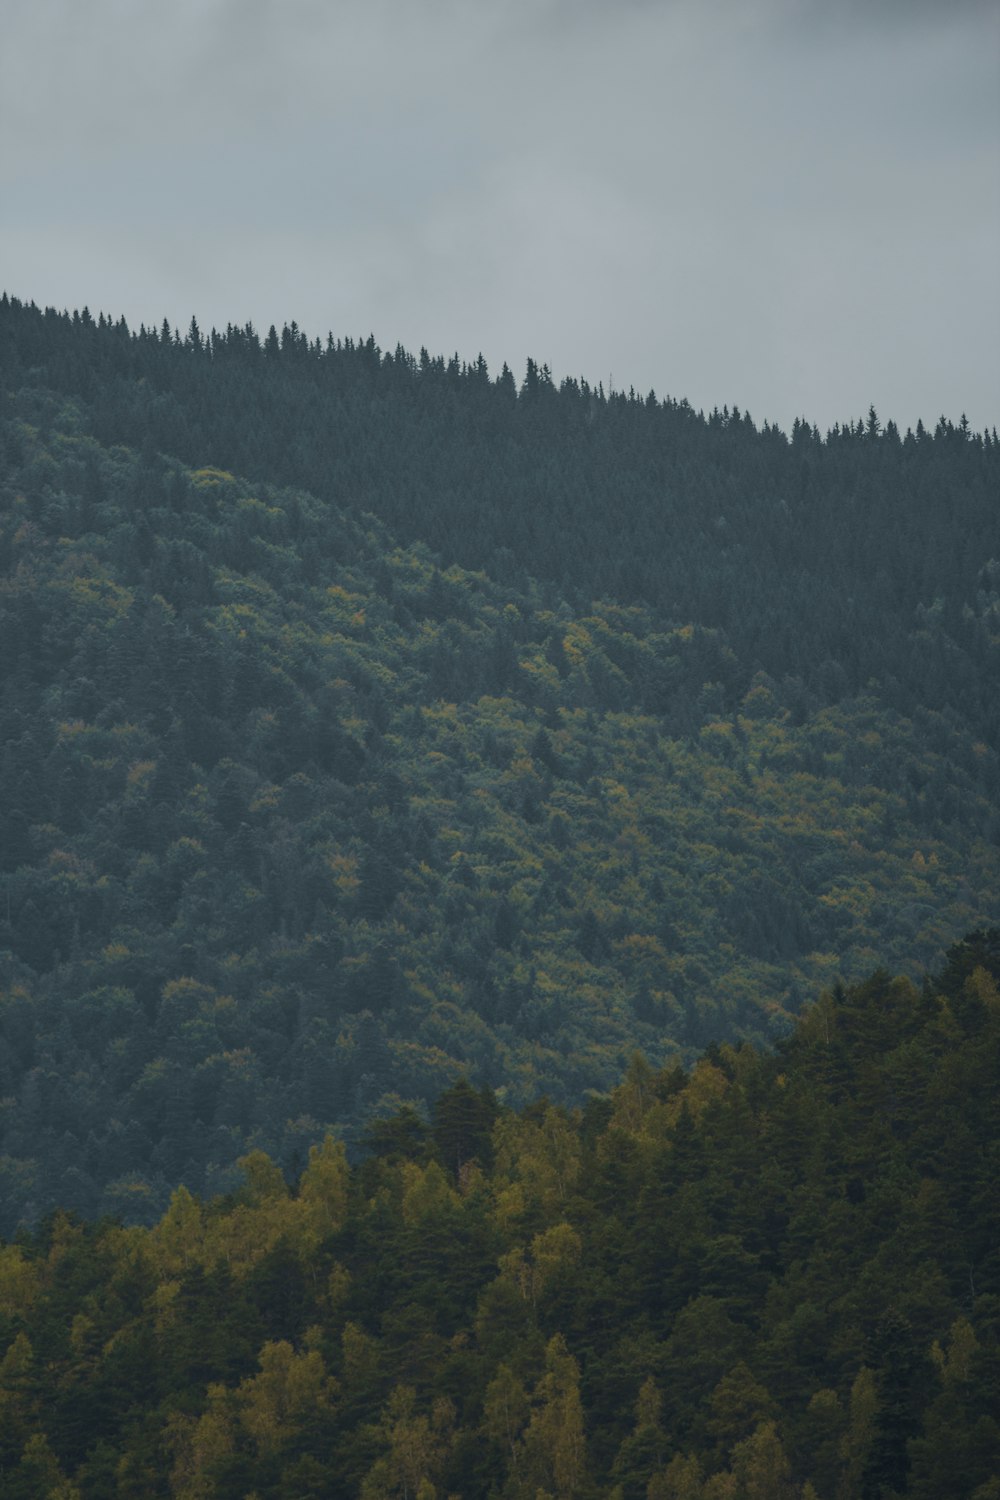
830,562
463,1123
761,1275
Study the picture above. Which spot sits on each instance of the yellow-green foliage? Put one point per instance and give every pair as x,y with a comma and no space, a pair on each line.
709,1283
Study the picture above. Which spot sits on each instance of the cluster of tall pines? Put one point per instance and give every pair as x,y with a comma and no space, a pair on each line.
774,1276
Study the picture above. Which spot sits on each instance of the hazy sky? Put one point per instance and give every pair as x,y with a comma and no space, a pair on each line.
791,205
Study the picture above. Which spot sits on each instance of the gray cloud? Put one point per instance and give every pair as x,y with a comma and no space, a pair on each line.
780,203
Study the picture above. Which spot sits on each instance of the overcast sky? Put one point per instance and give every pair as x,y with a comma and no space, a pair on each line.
790,205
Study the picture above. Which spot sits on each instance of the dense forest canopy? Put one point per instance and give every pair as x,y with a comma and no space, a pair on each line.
304,818
775,1276
816,556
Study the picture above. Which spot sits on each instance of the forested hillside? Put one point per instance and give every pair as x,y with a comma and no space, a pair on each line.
773,1277
867,554
301,820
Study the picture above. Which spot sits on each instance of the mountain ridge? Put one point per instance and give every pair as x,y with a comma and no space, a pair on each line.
302,821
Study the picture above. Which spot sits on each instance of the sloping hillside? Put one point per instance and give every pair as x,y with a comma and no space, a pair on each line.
867,554
299,824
